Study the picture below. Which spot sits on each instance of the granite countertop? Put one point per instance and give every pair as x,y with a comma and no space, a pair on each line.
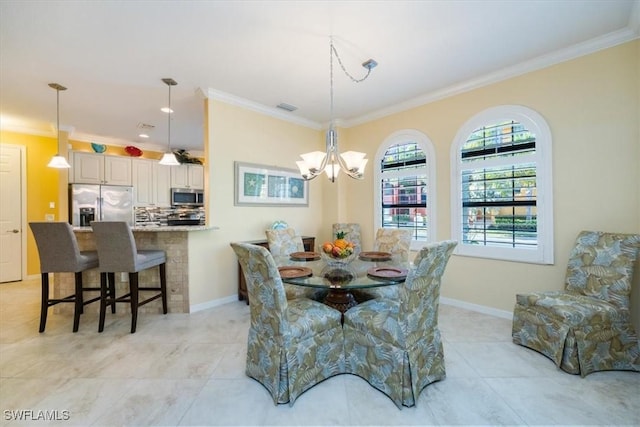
158,229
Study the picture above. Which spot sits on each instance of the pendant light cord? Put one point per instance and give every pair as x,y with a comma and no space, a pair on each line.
58,113
333,51
169,121
355,80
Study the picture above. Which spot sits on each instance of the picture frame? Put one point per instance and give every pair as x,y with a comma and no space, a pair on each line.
262,185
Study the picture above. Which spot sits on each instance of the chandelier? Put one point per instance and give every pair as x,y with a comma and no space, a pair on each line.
331,161
168,158
58,161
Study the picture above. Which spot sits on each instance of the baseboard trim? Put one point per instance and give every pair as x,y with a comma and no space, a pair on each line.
448,301
212,303
478,308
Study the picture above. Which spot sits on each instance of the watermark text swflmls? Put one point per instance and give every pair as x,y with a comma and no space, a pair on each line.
36,415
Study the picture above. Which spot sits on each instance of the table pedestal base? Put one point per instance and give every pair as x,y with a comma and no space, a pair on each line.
340,299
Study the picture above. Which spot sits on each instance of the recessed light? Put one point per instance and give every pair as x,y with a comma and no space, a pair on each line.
143,135
166,110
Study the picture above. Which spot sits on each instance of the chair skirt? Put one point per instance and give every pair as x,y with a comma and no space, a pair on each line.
399,373
578,347
290,366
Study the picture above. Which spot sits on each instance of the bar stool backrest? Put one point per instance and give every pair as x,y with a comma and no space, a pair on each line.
57,247
116,246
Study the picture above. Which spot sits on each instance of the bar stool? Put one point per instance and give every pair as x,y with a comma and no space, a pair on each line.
117,252
59,253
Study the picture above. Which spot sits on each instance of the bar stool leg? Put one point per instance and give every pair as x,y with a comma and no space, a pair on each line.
78,301
103,300
133,288
112,290
44,307
163,286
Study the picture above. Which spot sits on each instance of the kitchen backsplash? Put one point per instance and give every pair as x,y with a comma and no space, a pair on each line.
150,216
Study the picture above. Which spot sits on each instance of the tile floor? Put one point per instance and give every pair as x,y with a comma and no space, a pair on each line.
188,369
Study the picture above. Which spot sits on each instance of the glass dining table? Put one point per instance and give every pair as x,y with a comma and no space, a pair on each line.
341,280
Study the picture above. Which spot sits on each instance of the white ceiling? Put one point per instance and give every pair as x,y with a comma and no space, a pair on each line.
112,55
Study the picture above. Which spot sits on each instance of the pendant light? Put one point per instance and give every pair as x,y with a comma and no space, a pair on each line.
169,159
58,161
331,161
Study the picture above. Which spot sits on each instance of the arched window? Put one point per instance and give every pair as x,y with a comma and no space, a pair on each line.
502,201
405,185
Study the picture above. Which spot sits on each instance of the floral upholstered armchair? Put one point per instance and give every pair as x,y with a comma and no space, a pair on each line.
586,327
292,345
395,344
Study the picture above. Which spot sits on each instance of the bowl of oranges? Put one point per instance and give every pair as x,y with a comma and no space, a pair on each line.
340,251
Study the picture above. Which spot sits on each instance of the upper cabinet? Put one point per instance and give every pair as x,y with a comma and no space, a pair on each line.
152,182
187,176
90,168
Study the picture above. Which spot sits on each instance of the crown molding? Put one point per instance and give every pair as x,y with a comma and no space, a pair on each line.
257,107
28,130
160,148
89,138
591,46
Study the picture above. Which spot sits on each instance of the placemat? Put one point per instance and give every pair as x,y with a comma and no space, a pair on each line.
304,256
388,273
292,272
375,256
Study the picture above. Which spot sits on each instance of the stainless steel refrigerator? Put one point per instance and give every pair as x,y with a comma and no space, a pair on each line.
89,202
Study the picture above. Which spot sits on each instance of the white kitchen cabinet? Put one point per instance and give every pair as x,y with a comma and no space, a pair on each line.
90,168
187,176
162,189
152,182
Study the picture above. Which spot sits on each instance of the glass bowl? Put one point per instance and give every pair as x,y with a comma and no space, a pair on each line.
337,260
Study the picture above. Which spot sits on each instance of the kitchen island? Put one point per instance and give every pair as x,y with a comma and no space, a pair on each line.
172,239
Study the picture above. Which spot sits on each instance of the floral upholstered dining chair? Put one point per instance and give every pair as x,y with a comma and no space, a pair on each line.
351,233
393,240
292,345
397,242
283,242
586,327
395,344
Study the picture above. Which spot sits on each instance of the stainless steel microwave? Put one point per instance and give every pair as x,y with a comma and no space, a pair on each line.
187,197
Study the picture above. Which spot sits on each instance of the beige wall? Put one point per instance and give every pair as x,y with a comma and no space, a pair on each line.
591,105
237,134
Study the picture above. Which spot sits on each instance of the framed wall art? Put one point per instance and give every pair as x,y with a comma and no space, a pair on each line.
260,185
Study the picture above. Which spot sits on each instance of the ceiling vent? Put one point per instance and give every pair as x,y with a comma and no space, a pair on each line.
145,126
287,107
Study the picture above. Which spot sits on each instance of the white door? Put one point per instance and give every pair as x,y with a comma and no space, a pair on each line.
10,213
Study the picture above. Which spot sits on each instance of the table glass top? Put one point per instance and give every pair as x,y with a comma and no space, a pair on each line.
358,274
